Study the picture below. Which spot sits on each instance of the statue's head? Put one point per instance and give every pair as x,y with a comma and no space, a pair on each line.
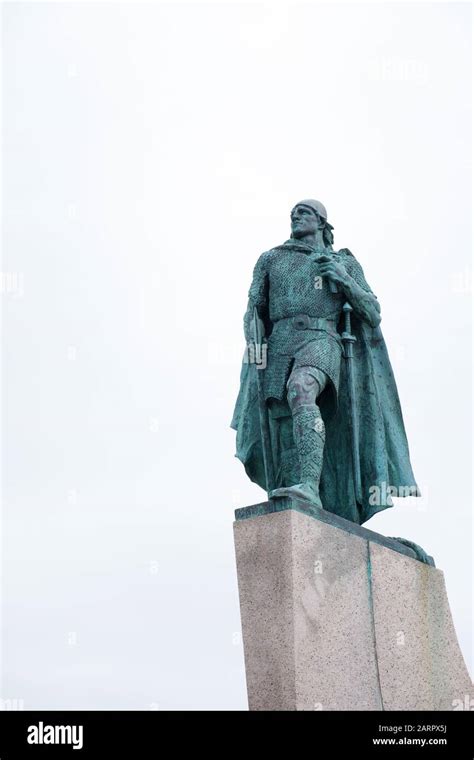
309,216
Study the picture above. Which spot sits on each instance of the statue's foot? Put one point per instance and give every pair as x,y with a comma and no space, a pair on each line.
303,491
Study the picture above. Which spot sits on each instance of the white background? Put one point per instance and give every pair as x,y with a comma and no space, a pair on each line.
150,154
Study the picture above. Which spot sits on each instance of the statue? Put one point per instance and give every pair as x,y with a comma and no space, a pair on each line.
318,416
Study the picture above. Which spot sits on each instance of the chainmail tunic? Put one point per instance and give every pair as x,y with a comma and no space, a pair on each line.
286,286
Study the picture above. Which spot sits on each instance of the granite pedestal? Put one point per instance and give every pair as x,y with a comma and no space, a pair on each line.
337,617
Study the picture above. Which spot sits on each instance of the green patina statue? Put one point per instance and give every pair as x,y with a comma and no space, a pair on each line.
318,415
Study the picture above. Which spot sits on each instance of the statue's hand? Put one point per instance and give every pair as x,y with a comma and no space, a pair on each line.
332,269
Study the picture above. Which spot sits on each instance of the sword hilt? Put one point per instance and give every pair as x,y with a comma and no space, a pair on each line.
347,308
347,337
348,340
347,334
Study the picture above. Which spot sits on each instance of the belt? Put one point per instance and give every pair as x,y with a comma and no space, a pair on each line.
305,322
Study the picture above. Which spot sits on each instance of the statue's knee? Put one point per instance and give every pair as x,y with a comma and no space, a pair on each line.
301,389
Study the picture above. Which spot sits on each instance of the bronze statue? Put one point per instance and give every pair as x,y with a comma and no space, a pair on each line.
318,416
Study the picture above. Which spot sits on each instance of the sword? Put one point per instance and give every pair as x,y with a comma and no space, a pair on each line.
348,340
260,341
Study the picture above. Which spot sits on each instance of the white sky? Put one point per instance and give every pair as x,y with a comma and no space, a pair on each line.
151,153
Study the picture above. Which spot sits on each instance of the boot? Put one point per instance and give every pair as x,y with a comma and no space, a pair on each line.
309,435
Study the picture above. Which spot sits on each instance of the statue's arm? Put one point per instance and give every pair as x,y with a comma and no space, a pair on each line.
360,296
258,295
345,270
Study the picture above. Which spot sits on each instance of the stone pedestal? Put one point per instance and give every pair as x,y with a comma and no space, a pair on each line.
337,617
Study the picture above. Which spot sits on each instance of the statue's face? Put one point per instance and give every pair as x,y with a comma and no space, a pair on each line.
303,222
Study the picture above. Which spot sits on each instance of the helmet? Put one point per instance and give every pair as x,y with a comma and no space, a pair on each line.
315,206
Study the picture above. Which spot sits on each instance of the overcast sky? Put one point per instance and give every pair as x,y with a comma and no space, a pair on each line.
150,154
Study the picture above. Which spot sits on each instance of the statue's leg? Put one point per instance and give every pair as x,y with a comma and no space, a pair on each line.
303,389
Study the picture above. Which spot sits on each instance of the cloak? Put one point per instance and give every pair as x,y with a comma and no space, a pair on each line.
385,467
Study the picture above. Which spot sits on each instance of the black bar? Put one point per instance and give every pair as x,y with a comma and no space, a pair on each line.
159,733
